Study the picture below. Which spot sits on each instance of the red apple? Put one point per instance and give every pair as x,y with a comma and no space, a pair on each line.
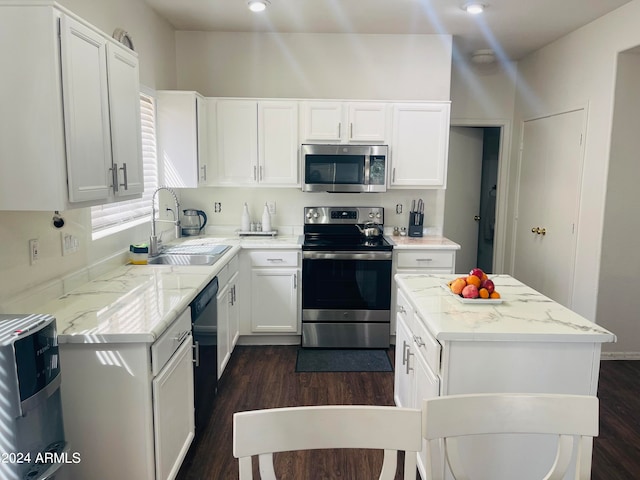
489,285
477,272
470,291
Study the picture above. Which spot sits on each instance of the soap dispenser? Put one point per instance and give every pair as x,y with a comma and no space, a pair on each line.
266,219
245,223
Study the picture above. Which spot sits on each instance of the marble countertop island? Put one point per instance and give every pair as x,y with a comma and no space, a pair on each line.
523,315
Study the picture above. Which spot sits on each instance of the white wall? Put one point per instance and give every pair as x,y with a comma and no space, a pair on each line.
580,69
618,300
298,65
153,39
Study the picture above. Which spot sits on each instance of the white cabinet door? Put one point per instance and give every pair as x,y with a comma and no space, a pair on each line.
86,111
274,300
367,122
182,127
224,300
237,142
419,146
124,104
234,313
342,122
322,121
403,390
173,412
278,143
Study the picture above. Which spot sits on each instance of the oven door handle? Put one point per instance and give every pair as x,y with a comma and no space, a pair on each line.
345,255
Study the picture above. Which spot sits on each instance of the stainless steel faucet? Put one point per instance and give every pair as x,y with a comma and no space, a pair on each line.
153,240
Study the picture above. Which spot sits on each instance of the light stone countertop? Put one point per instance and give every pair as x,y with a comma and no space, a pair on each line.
524,315
136,303
430,242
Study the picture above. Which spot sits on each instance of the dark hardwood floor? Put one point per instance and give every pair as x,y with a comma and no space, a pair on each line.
265,377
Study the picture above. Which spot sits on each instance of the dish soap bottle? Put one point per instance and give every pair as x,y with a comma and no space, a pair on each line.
245,223
266,219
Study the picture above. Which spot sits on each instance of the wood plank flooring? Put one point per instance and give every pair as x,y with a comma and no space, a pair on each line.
265,377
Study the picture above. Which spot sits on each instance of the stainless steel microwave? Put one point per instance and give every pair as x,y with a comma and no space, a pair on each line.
344,168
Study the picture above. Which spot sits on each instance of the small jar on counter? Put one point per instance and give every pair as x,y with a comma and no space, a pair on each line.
139,254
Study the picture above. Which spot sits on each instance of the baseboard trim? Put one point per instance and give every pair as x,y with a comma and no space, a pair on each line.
269,340
620,356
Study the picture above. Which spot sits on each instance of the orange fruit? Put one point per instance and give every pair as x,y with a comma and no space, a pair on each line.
473,280
484,277
494,294
483,293
457,285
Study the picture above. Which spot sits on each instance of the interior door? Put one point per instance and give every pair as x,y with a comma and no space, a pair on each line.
462,198
548,201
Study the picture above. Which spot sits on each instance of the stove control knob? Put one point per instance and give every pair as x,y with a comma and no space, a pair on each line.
315,215
371,215
378,215
309,214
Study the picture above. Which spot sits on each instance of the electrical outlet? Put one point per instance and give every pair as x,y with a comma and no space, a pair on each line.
272,208
34,250
217,207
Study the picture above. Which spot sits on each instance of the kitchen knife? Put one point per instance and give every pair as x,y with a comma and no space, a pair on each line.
413,206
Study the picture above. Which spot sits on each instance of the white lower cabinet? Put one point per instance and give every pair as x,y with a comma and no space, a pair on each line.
274,277
173,412
228,313
129,410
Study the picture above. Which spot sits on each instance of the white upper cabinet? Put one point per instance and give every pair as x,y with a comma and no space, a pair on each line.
257,142
419,145
70,133
183,138
342,122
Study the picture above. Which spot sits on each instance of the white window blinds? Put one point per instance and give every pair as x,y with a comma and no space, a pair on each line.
117,216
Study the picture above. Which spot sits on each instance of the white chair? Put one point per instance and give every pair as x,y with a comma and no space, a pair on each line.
264,432
571,417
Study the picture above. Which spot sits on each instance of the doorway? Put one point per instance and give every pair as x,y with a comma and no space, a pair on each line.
471,195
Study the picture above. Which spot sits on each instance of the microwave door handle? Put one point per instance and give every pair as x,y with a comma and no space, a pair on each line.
367,168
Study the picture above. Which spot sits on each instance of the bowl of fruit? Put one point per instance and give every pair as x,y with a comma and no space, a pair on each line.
476,287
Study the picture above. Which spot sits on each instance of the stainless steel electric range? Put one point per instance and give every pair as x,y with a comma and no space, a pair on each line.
346,278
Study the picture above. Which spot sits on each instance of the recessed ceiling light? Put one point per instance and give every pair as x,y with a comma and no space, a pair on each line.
474,8
258,5
483,56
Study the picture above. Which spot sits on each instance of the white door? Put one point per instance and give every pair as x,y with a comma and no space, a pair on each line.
124,104
462,197
86,111
173,412
237,142
548,201
278,143
274,300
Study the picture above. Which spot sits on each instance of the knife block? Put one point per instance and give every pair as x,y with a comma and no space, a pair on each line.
415,224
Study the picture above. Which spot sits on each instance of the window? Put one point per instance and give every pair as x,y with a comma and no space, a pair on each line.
114,217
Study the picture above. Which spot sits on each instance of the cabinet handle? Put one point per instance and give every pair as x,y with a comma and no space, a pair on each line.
233,290
230,297
351,130
409,367
204,172
393,174
295,281
255,174
114,177
260,172
339,129
124,173
424,259
196,348
279,260
405,349
418,341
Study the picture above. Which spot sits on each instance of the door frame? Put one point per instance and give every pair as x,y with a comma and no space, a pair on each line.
503,182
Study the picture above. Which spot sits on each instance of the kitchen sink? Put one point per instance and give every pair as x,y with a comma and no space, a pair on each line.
182,259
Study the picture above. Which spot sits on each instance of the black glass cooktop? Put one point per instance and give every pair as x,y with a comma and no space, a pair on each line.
345,242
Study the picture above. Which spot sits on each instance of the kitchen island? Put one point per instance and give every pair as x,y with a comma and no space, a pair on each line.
526,343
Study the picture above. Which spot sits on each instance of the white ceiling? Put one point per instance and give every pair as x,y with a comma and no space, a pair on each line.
515,27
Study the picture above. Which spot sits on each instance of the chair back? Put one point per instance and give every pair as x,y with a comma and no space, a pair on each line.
264,432
573,418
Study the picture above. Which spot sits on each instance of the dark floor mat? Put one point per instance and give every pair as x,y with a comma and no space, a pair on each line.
342,360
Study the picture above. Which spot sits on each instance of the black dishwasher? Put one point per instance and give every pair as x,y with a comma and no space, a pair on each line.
204,318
